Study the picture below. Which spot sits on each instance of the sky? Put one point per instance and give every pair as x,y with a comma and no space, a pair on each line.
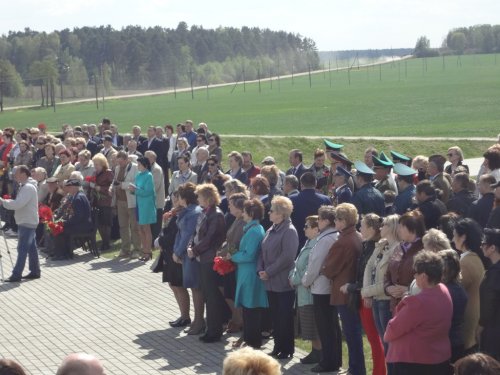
332,24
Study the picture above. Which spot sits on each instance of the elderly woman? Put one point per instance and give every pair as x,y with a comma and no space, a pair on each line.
182,175
250,291
214,175
231,187
489,319
144,190
186,222
400,273
420,163
248,361
279,248
375,270
418,332
259,188
210,235
182,150
24,157
100,198
307,324
451,274
325,314
231,245
467,237
491,163
320,171
340,268
85,166
49,162
456,158
63,170
370,233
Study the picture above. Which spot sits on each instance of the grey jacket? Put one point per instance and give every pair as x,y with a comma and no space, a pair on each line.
277,258
318,283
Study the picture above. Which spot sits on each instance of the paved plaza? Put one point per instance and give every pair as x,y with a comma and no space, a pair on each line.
116,309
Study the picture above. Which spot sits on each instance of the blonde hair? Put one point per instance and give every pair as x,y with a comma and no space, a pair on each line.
458,150
392,221
271,174
347,212
235,186
101,159
435,240
85,154
420,161
282,205
248,361
209,192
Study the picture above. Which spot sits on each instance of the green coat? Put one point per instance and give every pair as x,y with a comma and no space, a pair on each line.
250,290
304,296
145,198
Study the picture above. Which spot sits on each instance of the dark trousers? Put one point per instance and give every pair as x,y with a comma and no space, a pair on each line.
215,302
281,307
251,326
156,227
351,326
327,322
401,368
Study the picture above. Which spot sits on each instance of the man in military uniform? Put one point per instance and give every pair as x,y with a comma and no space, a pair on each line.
367,199
342,192
382,167
404,200
398,157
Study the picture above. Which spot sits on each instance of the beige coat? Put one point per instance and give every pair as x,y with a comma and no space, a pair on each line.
472,273
379,260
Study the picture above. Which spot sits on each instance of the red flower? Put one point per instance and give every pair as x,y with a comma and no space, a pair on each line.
90,179
6,196
223,266
56,228
326,173
45,213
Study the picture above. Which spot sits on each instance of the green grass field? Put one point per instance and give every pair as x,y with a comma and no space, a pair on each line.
413,98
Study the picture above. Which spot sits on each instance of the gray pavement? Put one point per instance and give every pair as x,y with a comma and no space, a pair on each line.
116,309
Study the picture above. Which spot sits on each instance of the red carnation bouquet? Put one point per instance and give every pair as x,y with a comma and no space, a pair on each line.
6,196
45,213
55,227
223,266
90,179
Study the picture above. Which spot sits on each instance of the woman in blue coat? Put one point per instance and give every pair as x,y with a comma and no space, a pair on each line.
144,191
250,290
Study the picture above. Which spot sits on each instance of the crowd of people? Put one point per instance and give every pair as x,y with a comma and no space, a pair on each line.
405,249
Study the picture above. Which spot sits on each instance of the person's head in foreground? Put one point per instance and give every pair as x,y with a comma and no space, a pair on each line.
10,367
80,364
248,361
477,364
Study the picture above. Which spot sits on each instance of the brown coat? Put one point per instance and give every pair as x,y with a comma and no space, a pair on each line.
472,271
400,269
341,262
442,181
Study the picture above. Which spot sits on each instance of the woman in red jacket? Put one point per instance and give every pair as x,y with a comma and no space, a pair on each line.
418,333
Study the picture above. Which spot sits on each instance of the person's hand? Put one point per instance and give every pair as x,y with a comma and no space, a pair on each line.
392,290
131,188
190,253
368,302
97,188
400,291
263,275
176,259
343,288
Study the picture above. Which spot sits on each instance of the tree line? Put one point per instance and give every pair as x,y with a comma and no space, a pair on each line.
154,57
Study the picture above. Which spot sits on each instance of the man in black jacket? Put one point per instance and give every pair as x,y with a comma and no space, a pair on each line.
431,207
462,197
481,208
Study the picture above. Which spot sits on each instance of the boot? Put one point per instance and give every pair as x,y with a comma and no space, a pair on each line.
313,357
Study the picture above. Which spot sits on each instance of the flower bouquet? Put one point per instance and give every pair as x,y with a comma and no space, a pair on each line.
55,227
45,213
223,266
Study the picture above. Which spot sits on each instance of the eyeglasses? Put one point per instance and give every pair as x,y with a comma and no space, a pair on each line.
210,164
450,155
199,140
211,140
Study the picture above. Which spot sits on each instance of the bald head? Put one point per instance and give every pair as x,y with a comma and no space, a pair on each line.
80,364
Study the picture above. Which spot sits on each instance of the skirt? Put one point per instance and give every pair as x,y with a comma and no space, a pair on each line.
172,271
190,273
306,324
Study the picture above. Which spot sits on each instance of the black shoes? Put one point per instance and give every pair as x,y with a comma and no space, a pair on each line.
283,355
180,322
13,279
208,339
320,368
313,357
31,276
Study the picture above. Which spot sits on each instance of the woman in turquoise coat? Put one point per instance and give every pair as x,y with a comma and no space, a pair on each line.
250,290
144,191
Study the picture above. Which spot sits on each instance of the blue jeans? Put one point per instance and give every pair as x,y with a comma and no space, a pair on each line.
351,325
382,314
26,246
